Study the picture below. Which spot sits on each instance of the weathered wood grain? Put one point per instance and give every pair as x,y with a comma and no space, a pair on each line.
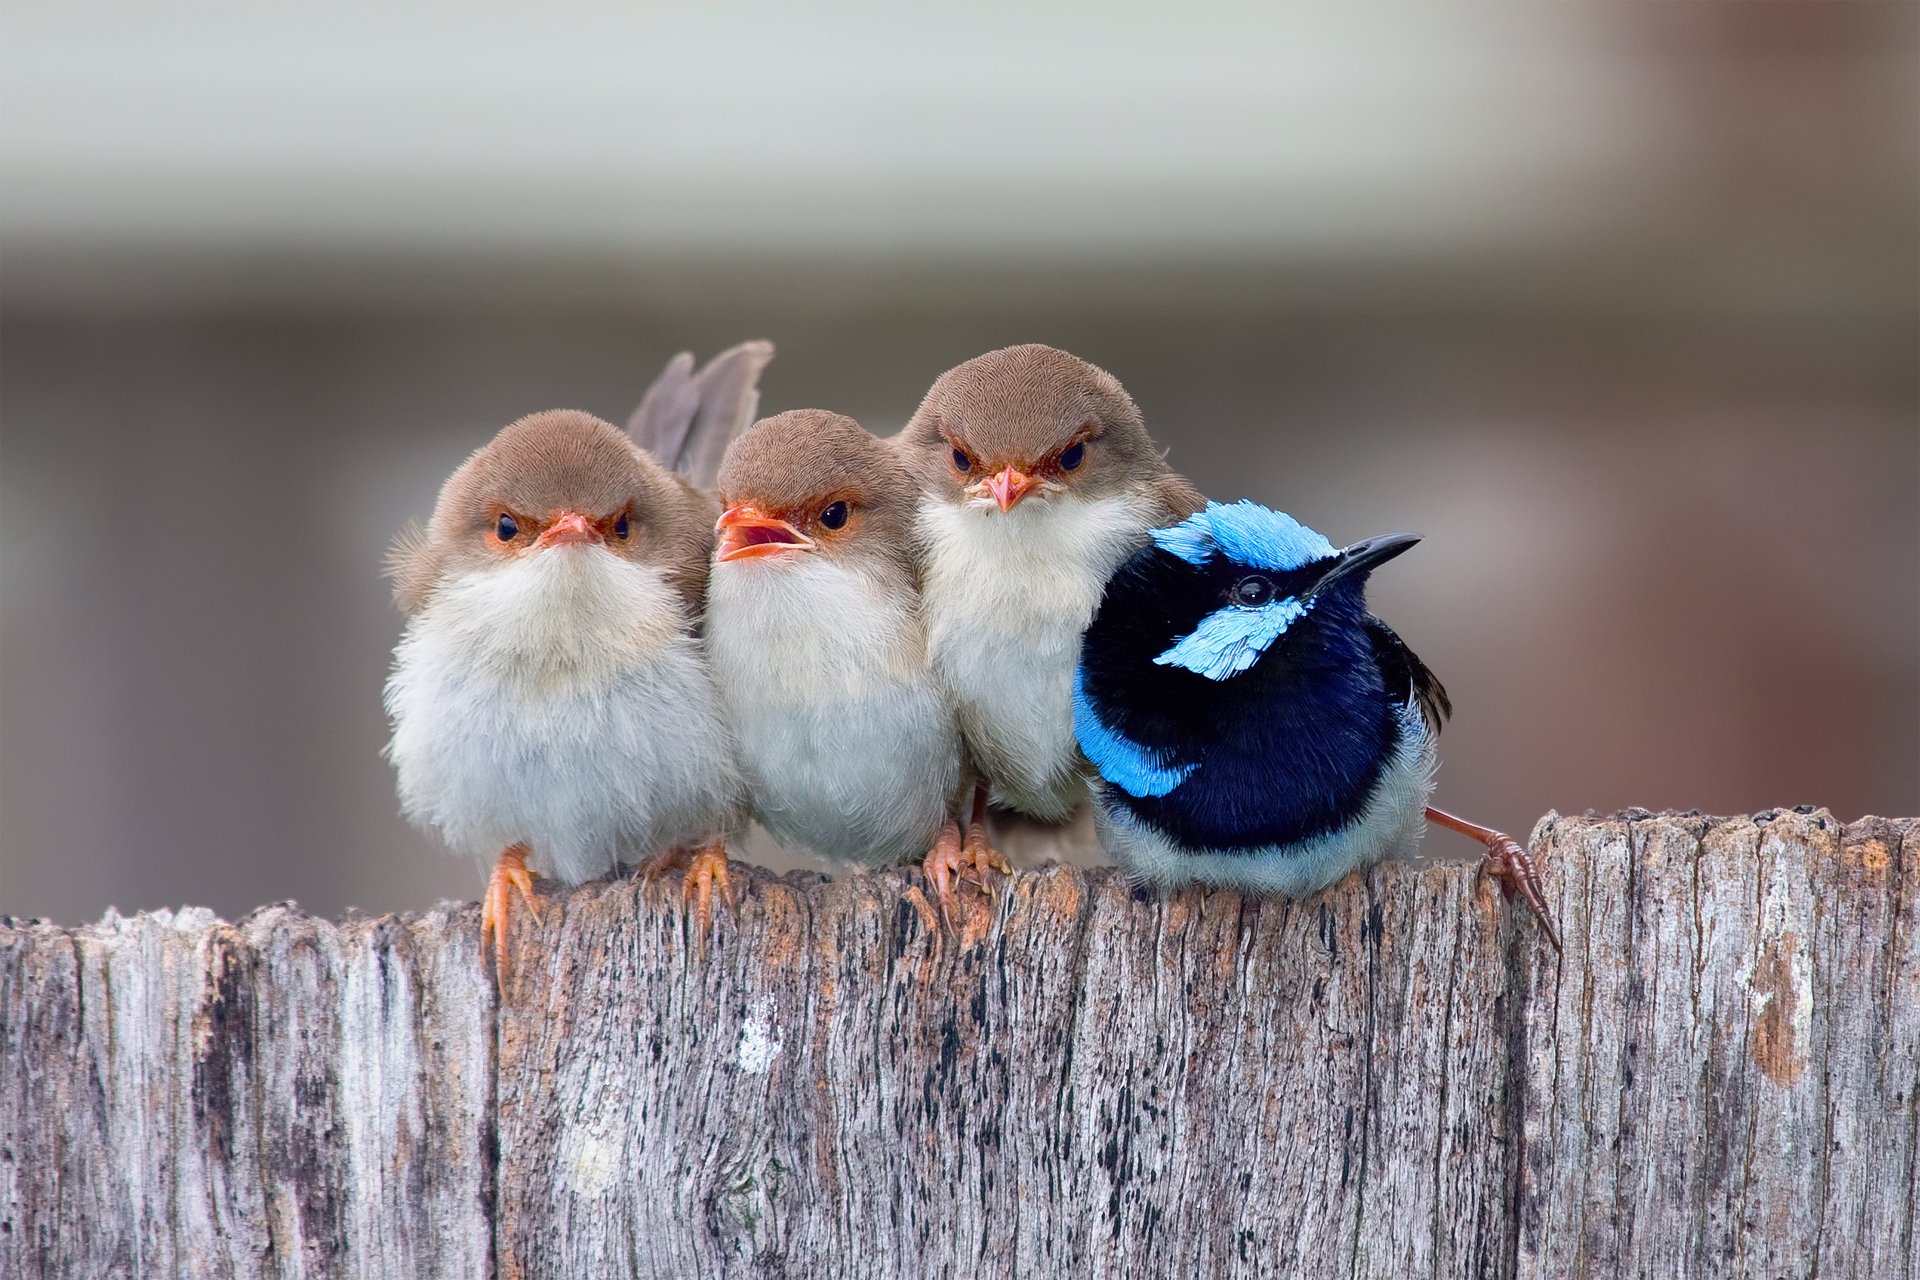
282,1097
1721,1077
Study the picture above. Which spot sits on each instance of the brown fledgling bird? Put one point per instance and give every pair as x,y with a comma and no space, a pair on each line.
814,629
1037,480
549,697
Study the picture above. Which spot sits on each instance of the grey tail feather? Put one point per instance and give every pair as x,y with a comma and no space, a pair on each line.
688,419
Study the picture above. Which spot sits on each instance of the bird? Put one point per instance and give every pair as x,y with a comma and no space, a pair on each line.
549,697
1037,479
813,624
1252,724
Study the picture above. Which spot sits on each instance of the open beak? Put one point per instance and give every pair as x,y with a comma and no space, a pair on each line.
745,531
1364,555
571,529
1009,486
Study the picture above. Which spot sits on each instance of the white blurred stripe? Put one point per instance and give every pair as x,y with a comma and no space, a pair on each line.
696,127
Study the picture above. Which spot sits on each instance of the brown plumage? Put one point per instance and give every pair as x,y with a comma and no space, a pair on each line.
795,465
1037,480
1023,406
816,638
538,467
550,697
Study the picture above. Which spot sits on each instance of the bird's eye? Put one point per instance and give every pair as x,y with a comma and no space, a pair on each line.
621,528
962,460
507,529
834,516
1252,591
1076,454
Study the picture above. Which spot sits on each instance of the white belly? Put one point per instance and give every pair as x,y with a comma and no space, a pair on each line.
1390,826
1008,596
608,748
847,740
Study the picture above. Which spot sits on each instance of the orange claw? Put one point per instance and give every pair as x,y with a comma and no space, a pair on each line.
982,859
509,873
707,869
944,864
1507,861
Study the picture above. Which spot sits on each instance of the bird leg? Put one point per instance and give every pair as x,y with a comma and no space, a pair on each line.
509,874
706,869
944,864
980,855
1507,862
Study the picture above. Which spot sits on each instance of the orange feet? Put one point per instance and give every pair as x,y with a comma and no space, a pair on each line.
707,870
981,858
1507,862
509,874
944,864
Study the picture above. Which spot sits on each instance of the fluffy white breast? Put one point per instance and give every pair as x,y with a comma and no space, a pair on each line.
1390,826
1007,596
558,700
846,736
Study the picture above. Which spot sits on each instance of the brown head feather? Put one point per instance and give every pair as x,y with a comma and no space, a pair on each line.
545,464
795,465
1022,407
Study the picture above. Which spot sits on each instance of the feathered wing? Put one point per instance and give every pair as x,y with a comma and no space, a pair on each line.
1174,498
1407,677
687,419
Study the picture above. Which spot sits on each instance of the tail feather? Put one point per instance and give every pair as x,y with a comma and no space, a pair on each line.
688,419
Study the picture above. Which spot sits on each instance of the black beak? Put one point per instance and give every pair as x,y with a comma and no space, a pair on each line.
1365,555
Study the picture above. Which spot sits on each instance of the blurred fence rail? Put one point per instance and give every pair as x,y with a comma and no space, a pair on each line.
1721,1077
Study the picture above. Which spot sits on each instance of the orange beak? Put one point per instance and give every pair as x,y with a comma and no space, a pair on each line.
571,529
1009,486
746,531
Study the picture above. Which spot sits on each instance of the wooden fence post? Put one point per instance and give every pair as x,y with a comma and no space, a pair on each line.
1392,1078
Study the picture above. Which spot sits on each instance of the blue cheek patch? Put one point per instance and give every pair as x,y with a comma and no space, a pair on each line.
1245,533
1126,764
1230,640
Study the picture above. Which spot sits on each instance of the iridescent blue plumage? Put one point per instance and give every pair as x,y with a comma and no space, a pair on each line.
1251,723
1135,769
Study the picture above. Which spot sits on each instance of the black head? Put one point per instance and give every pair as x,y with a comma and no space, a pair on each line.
1217,593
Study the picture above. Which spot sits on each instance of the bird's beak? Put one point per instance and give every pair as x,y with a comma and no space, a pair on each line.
746,531
1009,486
1366,554
571,529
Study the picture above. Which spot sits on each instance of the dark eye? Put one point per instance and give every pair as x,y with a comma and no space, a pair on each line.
1251,591
834,516
1076,454
620,529
507,529
962,461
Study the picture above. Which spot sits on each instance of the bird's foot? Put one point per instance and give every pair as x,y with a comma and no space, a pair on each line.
1508,862
706,870
943,865
510,875
982,859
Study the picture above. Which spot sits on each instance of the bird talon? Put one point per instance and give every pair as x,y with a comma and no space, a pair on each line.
707,872
943,866
509,874
1508,862
980,859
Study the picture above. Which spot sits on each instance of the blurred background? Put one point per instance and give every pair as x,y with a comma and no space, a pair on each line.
1618,304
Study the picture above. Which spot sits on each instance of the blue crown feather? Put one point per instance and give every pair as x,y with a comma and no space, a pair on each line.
1245,533
1133,768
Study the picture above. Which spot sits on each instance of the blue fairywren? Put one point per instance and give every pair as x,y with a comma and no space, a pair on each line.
1252,724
